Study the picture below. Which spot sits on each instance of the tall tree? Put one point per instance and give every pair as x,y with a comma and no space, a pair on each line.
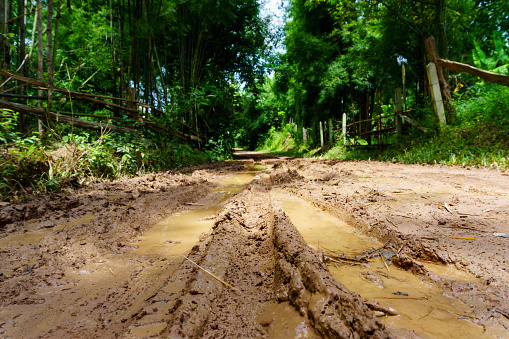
40,60
49,53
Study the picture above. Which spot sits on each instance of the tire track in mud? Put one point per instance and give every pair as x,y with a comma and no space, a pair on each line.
254,247
286,288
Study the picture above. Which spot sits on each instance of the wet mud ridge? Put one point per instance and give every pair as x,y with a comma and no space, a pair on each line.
262,247
256,249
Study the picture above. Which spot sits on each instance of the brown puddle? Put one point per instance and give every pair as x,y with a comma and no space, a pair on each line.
178,233
422,306
282,320
33,237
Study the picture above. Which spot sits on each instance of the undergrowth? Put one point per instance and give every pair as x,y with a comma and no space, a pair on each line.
31,166
284,142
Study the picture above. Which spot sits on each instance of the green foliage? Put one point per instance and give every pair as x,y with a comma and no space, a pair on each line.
22,165
480,138
285,141
7,125
490,105
497,59
221,148
27,166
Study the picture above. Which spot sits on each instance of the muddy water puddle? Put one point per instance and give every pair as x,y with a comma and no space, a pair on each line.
281,320
40,230
423,307
178,233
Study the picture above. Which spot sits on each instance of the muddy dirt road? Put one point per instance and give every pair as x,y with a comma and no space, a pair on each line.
262,247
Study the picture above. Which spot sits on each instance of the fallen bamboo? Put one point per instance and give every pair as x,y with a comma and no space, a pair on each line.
59,118
485,75
109,105
412,122
64,91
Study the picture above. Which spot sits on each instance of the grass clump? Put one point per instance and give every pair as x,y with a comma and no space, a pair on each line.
284,142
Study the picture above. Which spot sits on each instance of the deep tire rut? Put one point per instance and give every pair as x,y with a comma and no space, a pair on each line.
254,247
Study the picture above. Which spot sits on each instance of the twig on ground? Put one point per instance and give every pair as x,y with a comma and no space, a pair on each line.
383,260
504,313
464,238
467,227
372,253
214,276
447,207
352,261
399,251
411,298
389,220
375,307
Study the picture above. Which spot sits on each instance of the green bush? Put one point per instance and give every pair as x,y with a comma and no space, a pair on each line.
28,166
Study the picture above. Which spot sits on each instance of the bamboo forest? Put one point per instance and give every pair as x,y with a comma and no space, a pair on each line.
254,168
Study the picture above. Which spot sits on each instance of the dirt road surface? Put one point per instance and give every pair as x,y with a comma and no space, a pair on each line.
262,247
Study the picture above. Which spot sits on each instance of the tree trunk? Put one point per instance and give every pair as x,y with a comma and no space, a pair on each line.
121,79
21,56
2,41
114,91
22,35
441,33
7,48
40,65
55,39
49,54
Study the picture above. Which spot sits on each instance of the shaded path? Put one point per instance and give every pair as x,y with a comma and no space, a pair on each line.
243,155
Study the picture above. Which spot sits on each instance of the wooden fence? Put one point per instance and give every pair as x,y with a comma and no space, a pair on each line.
73,118
375,131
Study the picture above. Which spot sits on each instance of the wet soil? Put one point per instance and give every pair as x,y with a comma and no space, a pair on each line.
262,247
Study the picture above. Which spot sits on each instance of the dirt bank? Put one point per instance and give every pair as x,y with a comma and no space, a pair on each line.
109,259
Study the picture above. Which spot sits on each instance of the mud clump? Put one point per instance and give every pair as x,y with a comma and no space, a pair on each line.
303,278
281,174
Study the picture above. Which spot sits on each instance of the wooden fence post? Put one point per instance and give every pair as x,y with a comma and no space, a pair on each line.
331,133
403,73
321,134
344,128
304,134
398,110
438,103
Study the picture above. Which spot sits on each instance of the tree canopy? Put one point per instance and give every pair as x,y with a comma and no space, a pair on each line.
202,66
